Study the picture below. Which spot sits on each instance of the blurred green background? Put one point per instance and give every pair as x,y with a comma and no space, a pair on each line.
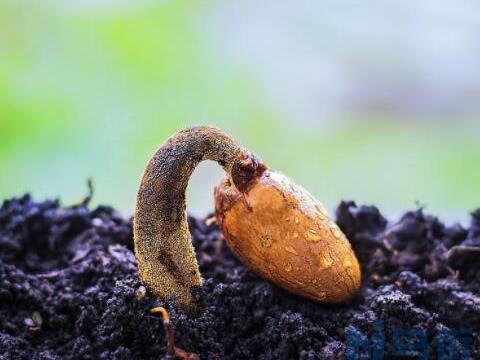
376,103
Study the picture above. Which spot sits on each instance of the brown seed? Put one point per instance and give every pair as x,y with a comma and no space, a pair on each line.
276,197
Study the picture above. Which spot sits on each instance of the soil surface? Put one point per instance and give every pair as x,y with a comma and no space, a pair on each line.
69,289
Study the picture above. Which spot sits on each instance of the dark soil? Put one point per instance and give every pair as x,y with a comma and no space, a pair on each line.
69,289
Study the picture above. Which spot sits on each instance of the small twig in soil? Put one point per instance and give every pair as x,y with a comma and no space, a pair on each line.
86,200
91,191
172,349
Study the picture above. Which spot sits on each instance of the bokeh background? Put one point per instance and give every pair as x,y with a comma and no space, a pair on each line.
378,102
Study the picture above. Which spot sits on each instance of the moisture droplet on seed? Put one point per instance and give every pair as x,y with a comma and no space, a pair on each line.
321,208
313,235
336,231
321,225
296,220
327,262
300,283
291,250
266,240
288,267
295,235
320,212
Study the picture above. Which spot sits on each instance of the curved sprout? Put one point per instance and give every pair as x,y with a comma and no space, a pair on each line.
165,255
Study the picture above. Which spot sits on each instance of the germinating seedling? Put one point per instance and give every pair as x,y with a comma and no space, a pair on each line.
272,225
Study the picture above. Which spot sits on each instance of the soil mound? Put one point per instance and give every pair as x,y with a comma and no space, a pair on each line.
69,289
